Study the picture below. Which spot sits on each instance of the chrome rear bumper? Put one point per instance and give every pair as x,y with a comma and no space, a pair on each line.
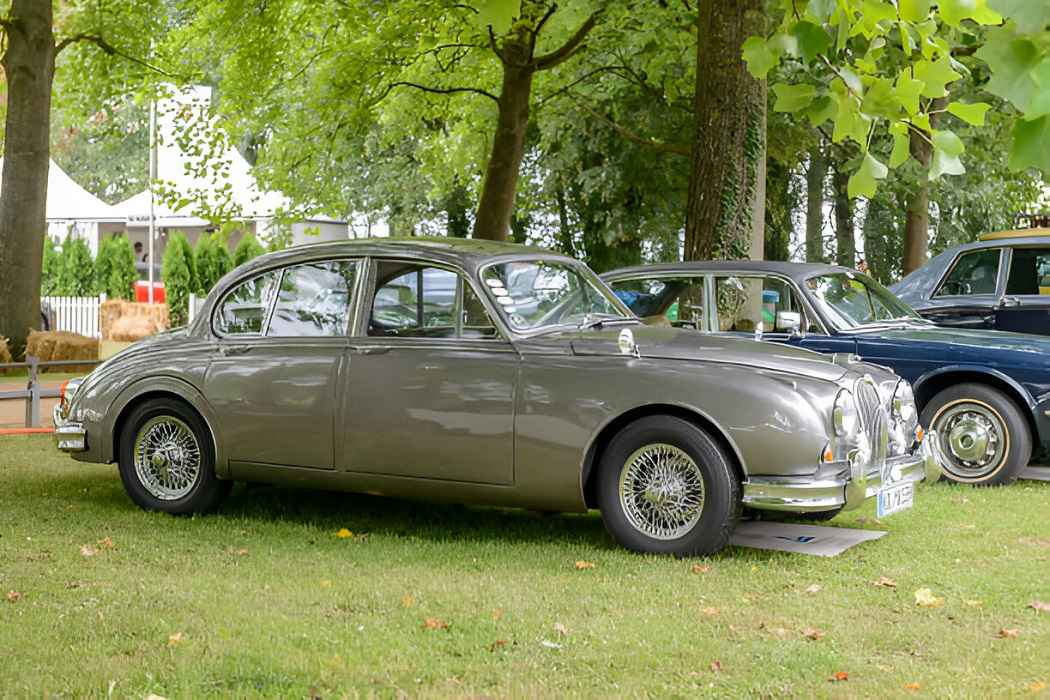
69,436
809,495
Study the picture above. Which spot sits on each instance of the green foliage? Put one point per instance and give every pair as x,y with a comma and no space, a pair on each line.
51,268
247,248
122,273
178,270
103,265
881,69
76,277
213,261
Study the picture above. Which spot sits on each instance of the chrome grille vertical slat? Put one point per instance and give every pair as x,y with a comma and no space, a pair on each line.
874,421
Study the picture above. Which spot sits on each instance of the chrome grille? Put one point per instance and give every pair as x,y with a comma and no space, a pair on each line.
874,420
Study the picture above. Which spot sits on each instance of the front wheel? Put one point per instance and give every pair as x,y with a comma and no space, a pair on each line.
666,487
983,436
167,462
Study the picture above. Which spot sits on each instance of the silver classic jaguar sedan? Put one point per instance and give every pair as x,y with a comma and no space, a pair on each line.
494,374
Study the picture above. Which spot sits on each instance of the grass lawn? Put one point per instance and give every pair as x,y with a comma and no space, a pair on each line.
266,599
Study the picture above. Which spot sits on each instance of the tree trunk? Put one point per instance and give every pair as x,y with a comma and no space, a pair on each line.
566,240
845,243
779,211
508,146
729,137
29,67
917,220
815,178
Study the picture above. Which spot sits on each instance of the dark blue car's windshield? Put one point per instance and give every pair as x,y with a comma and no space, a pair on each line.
851,300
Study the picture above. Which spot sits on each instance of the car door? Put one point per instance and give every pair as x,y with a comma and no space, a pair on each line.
1025,306
968,294
281,339
431,382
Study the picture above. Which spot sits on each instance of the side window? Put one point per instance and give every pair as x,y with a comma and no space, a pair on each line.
677,301
418,301
243,311
975,272
1029,272
314,300
745,302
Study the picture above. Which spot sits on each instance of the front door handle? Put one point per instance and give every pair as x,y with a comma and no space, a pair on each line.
234,349
1009,302
369,349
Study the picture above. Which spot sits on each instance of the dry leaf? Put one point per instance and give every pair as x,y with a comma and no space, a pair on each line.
814,589
433,623
709,611
839,677
344,533
885,582
716,665
912,686
561,629
1037,686
407,601
700,568
325,583
813,633
497,614
925,598
87,550
584,564
1006,633
174,639
105,543
13,596
498,644
151,696
239,552
550,645
1039,606
973,603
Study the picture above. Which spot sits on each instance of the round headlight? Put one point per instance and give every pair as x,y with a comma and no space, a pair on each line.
904,408
844,420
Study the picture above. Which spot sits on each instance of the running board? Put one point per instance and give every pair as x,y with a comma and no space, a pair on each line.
1035,473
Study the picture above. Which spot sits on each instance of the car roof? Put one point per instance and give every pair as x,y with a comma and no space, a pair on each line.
1035,234
796,271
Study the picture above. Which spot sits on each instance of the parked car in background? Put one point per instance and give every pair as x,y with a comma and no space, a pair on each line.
1001,282
488,373
985,394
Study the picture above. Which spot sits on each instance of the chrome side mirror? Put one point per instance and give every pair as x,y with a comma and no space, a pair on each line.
789,322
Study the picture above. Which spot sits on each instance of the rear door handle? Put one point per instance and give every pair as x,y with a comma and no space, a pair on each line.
370,349
234,349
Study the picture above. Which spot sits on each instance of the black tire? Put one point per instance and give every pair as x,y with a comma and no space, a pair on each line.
721,506
1009,424
204,492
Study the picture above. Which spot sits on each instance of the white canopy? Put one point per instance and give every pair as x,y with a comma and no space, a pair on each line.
68,201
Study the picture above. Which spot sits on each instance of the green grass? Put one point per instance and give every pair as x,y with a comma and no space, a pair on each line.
270,602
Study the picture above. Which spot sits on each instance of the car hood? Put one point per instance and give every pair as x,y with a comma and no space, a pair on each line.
681,344
962,343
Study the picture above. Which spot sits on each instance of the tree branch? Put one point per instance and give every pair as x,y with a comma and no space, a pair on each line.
539,27
109,50
570,47
677,149
437,91
495,49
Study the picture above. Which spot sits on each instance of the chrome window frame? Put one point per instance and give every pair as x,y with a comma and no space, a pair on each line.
1000,277
705,319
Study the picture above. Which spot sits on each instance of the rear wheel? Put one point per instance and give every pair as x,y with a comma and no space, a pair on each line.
666,487
983,436
167,462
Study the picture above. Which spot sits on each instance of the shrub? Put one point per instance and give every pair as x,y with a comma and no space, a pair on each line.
122,272
76,277
52,268
247,248
213,261
178,270
103,264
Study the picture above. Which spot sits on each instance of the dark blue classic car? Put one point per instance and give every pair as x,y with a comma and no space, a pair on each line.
1000,282
985,393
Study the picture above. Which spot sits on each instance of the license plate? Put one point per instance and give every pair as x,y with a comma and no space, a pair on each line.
895,499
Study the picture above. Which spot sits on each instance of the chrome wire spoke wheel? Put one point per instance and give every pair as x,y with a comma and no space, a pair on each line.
974,438
167,458
661,491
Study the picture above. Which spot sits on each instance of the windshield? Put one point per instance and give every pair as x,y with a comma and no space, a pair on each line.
533,294
850,300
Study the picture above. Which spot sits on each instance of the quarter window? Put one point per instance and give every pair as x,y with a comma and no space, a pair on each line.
243,311
314,300
975,272
1029,272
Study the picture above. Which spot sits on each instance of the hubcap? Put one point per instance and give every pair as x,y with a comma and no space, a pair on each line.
973,437
167,458
661,491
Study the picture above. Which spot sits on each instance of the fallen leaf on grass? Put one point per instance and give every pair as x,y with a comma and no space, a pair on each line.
13,596
716,665
498,644
151,696
561,629
497,614
87,550
1037,686
709,611
912,686
1006,633
344,533
325,583
839,677
813,633
1039,606
580,565
925,598
174,639
700,568
814,589
433,623
884,582
973,603
407,601
549,644
241,552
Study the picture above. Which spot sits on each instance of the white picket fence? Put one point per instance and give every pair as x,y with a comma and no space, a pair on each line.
75,314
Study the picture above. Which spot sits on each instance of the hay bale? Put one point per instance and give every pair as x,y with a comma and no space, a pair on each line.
132,328
62,345
114,310
5,353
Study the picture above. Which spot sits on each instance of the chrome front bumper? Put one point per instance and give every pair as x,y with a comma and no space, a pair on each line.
69,436
808,495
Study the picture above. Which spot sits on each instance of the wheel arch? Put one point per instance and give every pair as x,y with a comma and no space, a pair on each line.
593,454
932,383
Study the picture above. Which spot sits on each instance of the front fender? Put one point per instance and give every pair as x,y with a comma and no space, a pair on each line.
975,369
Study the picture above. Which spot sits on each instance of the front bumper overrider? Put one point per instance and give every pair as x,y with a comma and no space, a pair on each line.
70,436
838,489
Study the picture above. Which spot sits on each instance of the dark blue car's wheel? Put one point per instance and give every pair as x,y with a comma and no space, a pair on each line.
983,435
